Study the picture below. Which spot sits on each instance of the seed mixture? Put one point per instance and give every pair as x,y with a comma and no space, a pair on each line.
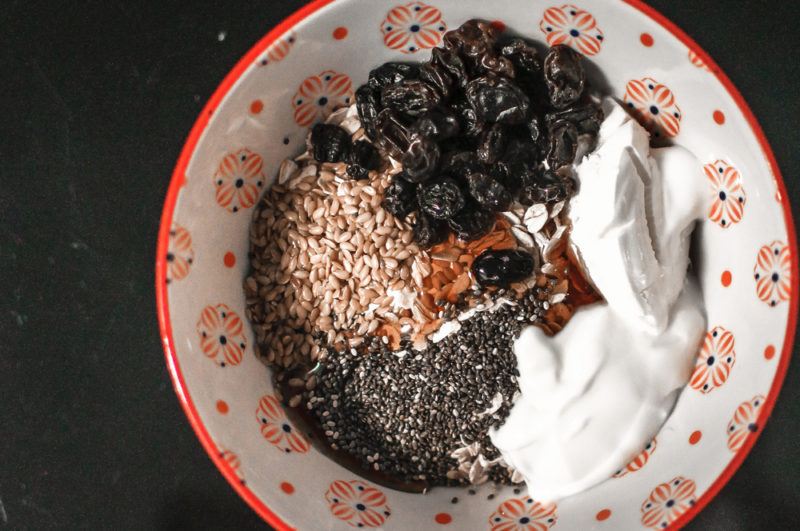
395,262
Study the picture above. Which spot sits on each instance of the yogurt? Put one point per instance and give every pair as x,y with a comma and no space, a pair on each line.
593,396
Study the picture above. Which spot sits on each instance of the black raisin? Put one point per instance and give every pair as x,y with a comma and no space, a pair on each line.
496,99
563,137
368,105
410,97
438,77
473,39
472,223
438,124
357,172
523,56
587,117
489,193
364,154
492,144
503,268
564,75
544,186
393,137
453,64
460,164
471,125
330,143
421,158
521,149
392,73
428,231
441,198
400,197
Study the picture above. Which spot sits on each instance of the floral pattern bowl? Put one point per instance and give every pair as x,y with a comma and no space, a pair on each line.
311,63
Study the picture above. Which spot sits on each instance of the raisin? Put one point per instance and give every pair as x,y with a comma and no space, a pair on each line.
564,75
428,231
421,158
473,39
410,97
330,143
472,223
400,197
587,117
563,136
362,153
544,186
452,63
392,73
502,268
359,173
521,149
441,198
460,164
368,105
537,132
393,137
439,78
496,99
468,118
495,64
522,55
489,193
492,144
437,124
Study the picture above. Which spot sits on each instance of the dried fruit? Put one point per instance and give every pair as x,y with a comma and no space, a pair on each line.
437,124
544,186
392,73
522,55
393,137
472,40
496,99
587,117
363,153
563,144
421,158
438,77
460,164
330,143
368,105
441,198
428,231
492,144
472,223
452,63
564,75
410,97
359,173
489,193
400,197
468,118
502,268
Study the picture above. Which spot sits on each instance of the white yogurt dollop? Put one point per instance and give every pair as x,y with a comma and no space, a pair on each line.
595,394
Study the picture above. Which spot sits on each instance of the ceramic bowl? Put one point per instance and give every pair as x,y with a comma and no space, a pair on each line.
312,62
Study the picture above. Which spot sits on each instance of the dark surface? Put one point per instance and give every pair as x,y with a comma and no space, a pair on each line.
96,102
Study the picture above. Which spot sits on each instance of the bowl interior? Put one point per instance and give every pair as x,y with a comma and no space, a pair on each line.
314,61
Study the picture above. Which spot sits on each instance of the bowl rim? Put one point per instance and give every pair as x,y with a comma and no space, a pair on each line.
178,180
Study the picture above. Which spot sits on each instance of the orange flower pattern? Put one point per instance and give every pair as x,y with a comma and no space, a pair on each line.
232,461
639,461
667,502
239,179
773,273
357,503
278,50
276,429
744,422
572,26
221,334
653,105
696,60
318,95
180,254
728,199
715,361
413,27
523,514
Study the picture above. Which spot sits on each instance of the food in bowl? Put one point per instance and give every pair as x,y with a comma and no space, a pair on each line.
479,271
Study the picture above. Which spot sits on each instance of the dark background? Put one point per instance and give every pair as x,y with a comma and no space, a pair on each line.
96,99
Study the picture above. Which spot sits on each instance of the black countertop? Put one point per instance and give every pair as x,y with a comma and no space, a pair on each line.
97,98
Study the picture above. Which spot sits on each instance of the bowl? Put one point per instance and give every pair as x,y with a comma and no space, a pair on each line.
312,62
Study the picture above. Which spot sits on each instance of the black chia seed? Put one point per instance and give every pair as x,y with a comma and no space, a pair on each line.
403,414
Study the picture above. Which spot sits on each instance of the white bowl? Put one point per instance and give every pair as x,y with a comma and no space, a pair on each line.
314,60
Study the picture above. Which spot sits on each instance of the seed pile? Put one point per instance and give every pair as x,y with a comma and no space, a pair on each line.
404,413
